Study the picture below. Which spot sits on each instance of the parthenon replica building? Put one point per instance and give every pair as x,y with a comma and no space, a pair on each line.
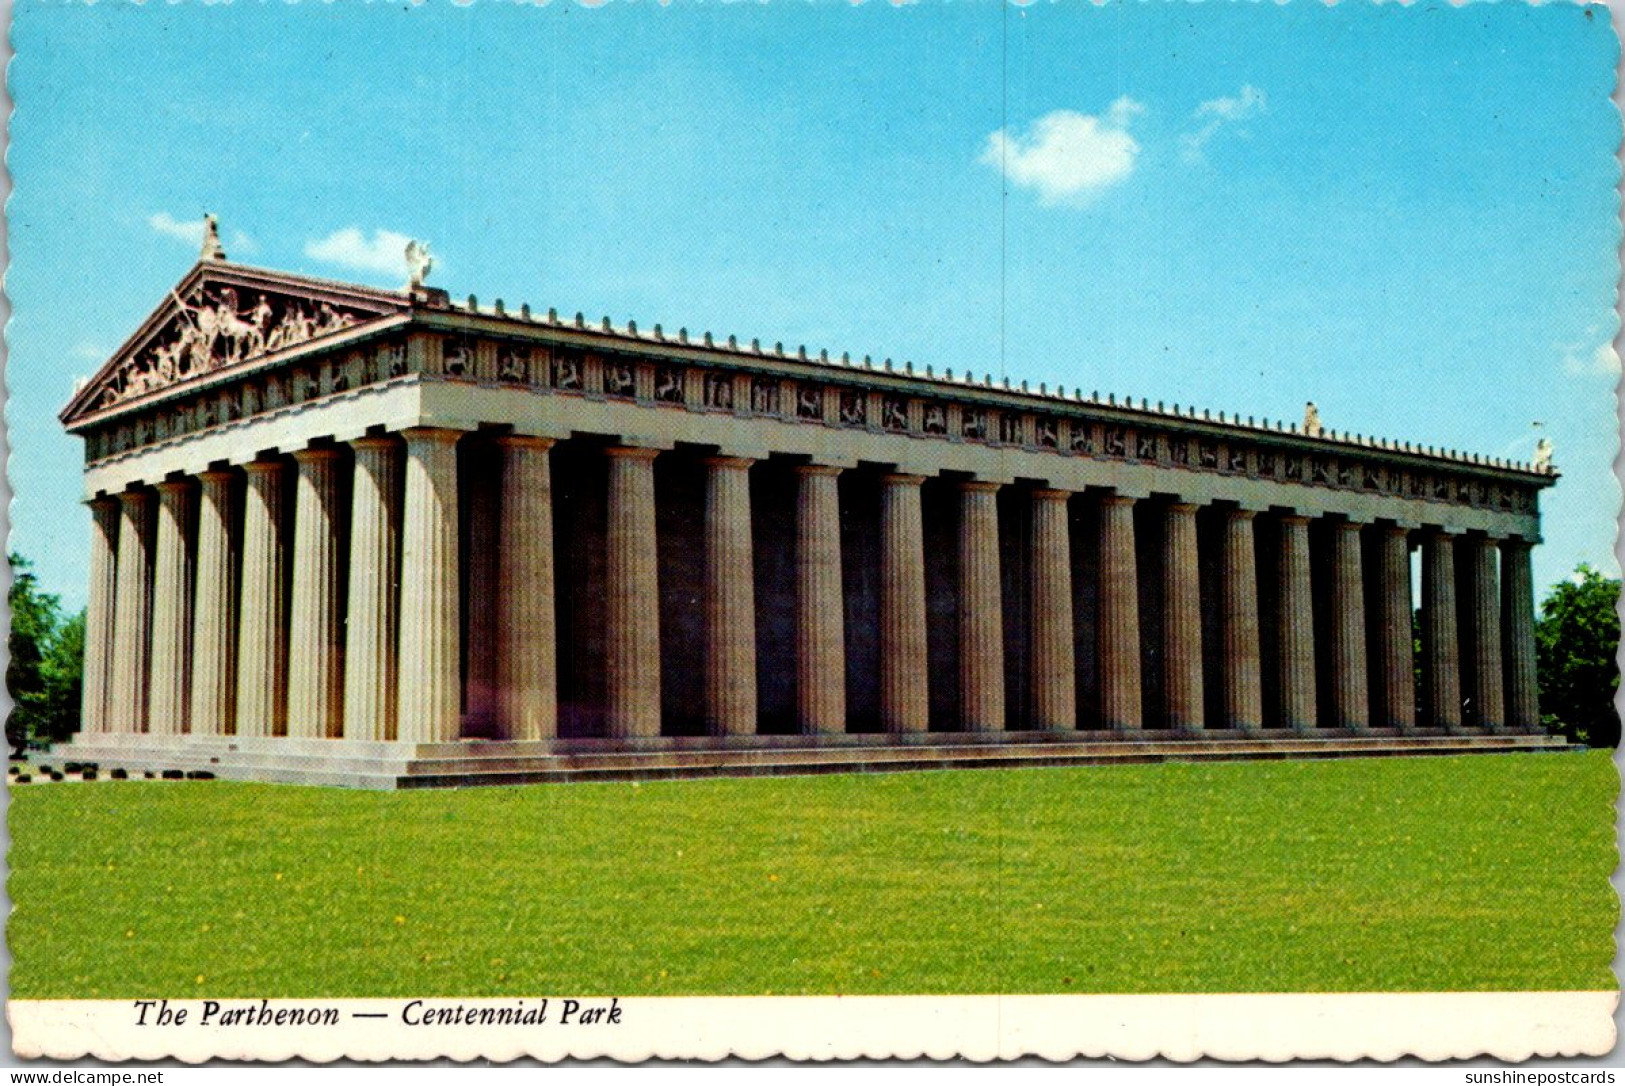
383,539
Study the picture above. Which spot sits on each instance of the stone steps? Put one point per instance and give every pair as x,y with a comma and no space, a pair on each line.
392,765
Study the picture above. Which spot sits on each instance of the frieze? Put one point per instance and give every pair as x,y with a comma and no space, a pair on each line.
712,389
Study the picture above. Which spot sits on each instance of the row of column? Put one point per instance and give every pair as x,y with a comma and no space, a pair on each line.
190,629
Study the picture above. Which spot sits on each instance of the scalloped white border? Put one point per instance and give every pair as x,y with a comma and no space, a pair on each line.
1432,1026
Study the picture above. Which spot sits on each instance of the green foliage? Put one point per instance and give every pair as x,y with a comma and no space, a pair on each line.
46,664
1357,875
1576,640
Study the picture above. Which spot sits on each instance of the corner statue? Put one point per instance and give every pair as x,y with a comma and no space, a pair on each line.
212,249
418,263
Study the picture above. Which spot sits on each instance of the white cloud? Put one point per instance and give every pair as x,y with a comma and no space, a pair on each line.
1217,113
1068,157
384,252
191,232
1579,361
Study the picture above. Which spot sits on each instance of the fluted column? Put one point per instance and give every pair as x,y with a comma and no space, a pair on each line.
430,668
316,637
981,611
632,624
730,599
99,622
372,628
1297,627
1119,615
1055,700
480,580
820,619
1518,626
262,643
903,659
171,610
526,658
1484,670
132,636
1351,698
1182,618
1395,634
1243,700
1442,652
214,610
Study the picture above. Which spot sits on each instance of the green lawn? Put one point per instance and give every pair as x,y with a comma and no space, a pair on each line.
1482,872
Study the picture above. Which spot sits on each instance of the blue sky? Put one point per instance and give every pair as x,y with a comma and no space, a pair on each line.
1404,214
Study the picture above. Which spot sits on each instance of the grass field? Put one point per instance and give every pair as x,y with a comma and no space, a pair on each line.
1463,873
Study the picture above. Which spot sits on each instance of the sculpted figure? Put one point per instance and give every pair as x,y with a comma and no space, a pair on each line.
1543,455
418,263
1311,420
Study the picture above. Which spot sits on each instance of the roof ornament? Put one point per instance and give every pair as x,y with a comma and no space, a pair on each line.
1543,455
418,263
1311,420
212,249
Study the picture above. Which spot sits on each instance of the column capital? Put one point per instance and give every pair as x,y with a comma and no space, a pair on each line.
733,463
1115,499
134,498
375,441
901,479
1344,524
173,486
631,452
434,434
1397,527
1180,505
824,470
315,453
1294,517
262,467
979,486
215,475
1445,530
1051,494
102,503
526,441
1239,513
1517,542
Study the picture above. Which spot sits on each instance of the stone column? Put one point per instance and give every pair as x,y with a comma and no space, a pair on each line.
903,692
1297,627
171,610
262,640
372,628
1484,671
132,615
632,623
1182,619
1351,697
481,580
820,617
981,610
1395,645
1055,699
1441,651
430,667
316,636
1518,626
1119,615
526,658
99,622
214,613
730,599
1243,700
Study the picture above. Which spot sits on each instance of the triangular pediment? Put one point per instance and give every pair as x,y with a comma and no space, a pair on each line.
221,318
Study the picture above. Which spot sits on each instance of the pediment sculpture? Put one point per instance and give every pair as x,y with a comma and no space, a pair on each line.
216,329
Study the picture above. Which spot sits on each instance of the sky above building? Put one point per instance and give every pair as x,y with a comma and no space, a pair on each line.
1406,215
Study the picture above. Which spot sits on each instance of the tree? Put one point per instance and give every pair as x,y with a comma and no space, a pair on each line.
1576,640
44,673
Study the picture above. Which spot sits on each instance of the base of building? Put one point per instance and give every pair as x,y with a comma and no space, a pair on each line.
485,761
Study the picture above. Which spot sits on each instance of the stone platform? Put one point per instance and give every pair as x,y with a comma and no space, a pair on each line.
386,766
